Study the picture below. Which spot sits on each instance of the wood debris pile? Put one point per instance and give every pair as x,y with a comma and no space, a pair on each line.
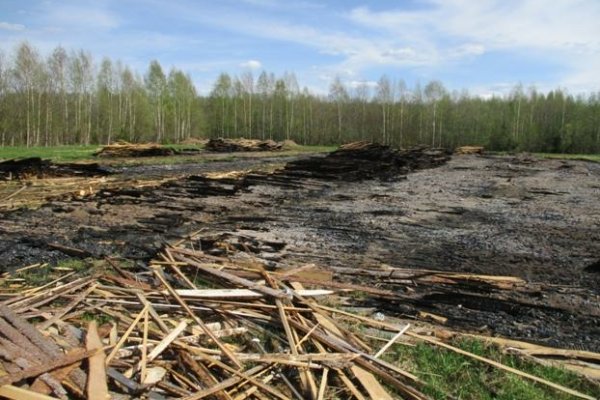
125,149
235,145
469,150
255,333
35,167
365,160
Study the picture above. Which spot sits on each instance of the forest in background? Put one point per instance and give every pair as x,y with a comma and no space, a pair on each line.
67,97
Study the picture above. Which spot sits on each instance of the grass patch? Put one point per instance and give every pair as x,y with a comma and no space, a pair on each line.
85,153
581,157
99,317
39,276
57,153
447,373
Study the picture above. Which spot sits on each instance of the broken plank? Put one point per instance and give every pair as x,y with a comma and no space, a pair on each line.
211,269
159,274
17,393
97,388
243,293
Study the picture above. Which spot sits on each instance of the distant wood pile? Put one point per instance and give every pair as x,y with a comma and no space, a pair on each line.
35,167
365,160
469,150
234,145
125,149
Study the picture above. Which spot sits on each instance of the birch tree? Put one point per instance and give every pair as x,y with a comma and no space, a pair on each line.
156,86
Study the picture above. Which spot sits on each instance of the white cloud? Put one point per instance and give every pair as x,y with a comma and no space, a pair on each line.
360,83
7,26
565,33
251,64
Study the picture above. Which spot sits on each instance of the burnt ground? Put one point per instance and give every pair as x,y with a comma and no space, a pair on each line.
538,220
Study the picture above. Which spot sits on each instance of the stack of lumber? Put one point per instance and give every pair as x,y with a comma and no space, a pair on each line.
235,145
35,167
469,150
253,333
365,160
125,149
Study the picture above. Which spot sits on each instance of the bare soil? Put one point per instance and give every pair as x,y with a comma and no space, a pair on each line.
499,215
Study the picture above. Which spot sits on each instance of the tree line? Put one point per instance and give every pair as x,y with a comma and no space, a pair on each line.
67,98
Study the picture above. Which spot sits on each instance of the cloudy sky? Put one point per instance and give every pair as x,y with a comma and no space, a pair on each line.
485,46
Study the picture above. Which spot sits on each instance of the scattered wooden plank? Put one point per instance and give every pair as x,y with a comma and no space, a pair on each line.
224,349
17,393
125,335
243,293
74,357
97,388
392,341
212,269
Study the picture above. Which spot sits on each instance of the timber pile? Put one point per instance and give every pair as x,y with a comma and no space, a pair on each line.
469,150
256,333
238,145
35,167
125,149
365,160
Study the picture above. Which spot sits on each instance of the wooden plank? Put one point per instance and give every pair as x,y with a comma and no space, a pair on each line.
351,387
204,376
74,357
167,340
243,293
209,333
269,389
97,388
309,385
169,258
144,359
323,386
17,393
126,335
221,386
366,378
392,341
212,269
368,363
59,314
370,384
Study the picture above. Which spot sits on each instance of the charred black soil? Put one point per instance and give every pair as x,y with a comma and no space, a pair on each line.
537,220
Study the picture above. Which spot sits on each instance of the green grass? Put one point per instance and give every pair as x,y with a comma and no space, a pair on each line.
582,157
558,156
58,153
85,153
447,373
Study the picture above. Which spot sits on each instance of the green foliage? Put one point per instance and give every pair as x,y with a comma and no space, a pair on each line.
57,153
99,317
62,100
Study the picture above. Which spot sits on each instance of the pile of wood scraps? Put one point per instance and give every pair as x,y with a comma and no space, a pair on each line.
35,167
126,149
364,160
469,150
194,325
235,145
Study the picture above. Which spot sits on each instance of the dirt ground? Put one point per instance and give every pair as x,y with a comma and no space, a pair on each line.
499,215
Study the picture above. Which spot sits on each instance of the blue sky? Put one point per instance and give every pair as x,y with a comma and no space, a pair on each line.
485,46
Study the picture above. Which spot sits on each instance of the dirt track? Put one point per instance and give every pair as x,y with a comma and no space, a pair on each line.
538,220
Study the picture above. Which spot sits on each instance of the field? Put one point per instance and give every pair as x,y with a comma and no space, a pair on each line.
493,246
